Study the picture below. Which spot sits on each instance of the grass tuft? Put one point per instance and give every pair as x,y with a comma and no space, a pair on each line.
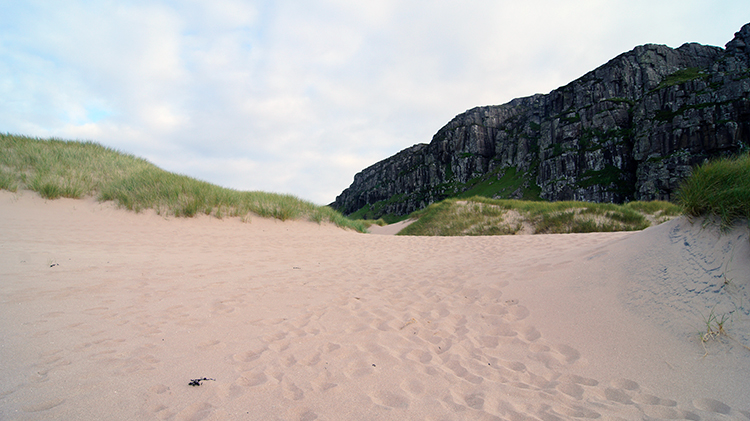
58,168
715,330
655,207
718,188
8,181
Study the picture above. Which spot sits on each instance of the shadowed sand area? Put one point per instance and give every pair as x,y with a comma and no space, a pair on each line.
108,314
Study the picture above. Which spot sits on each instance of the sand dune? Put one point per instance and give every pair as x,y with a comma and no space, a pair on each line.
108,314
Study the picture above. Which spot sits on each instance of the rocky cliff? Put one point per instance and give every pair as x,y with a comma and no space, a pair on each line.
629,130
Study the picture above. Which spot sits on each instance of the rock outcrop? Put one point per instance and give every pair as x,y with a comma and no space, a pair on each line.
631,129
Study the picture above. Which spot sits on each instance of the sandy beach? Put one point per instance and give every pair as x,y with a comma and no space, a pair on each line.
106,314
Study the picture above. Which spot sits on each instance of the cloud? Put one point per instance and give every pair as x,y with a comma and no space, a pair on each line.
296,97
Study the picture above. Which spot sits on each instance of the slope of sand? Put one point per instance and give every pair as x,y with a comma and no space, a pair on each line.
107,314
390,229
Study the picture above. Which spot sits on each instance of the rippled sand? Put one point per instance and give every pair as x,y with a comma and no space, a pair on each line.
107,314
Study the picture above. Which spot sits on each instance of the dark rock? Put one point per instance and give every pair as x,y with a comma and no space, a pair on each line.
631,129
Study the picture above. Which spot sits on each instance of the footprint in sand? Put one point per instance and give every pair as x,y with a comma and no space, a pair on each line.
578,412
291,391
439,314
444,345
40,333
571,389
540,382
330,347
573,378
488,342
289,361
308,416
276,336
156,408
95,310
517,312
221,308
645,398
229,391
196,411
280,346
208,344
530,333
43,406
413,387
50,353
667,413
358,369
322,387
39,376
502,330
625,384
616,395
311,360
251,379
513,365
461,371
419,355
390,399
383,325
249,356
569,355
451,405
10,391
475,400
712,405
158,389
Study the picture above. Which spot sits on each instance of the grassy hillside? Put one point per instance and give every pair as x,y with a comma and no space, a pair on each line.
59,168
482,216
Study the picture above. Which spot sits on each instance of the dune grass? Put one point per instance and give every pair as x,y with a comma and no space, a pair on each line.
655,207
370,222
482,216
718,188
473,216
59,168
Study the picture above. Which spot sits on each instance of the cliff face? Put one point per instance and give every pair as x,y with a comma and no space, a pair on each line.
628,130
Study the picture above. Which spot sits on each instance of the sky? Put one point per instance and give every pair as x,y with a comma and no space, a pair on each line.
296,97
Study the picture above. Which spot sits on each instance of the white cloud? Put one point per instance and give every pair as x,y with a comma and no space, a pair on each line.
296,97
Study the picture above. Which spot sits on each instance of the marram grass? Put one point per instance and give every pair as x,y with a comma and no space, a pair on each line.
58,168
482,216
719,188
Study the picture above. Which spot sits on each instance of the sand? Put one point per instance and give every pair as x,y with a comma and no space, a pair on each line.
108,314
390,229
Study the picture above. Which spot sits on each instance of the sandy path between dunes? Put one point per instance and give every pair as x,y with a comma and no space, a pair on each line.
107,314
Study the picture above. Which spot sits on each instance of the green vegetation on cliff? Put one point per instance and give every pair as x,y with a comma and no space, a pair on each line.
501,187
682,76
58,168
